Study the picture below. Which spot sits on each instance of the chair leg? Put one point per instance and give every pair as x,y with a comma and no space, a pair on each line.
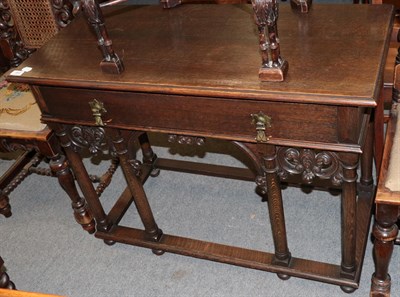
5,207
4,278
12,178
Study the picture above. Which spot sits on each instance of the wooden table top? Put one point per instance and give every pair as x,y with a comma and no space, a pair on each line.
336,53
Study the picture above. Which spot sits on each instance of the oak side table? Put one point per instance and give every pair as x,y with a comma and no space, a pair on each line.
192,72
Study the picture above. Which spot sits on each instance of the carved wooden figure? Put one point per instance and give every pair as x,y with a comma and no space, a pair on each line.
274,67
111,63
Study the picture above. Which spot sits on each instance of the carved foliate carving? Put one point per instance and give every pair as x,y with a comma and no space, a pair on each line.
10,146
184,139
92,138
62,10
310,164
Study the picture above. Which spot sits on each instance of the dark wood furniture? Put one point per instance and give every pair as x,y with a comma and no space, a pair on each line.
196,77
4,278
387,212
21,130
26,25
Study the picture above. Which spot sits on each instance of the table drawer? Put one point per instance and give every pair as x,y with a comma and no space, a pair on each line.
202,116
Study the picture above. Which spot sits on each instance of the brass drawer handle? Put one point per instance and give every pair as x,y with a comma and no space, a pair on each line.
262,122
97,110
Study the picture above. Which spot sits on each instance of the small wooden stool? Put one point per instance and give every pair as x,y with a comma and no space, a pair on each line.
387,201
21,129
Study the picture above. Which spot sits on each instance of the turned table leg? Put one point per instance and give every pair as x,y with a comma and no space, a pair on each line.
83,179
275,207
349,215
385,232
59,165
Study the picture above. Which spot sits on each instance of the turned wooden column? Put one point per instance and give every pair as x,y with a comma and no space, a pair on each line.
83,179
275,207
5,281
60,167
385,232
269,183
349,216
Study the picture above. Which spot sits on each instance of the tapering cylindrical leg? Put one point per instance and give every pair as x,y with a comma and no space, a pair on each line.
349,217
385,232
59,166
275,207
83,179
5,281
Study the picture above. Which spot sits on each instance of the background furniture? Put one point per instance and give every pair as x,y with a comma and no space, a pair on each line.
27,25
21,129
4,278
387,212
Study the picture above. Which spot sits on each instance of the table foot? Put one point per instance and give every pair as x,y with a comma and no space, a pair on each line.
347,289
155,172
109,242
283,276
158,252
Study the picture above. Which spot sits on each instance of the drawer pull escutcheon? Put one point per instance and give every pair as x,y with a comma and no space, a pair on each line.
262,122
97,110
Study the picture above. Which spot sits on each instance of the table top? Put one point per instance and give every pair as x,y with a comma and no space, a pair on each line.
336,53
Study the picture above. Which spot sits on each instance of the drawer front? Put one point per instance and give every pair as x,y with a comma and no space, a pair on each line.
202,116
